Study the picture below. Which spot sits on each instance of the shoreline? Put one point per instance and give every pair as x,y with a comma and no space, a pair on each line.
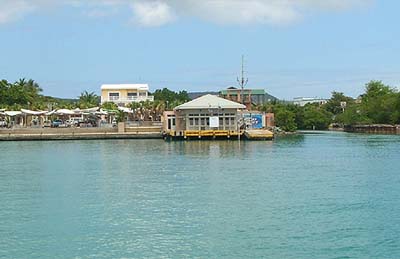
78,136
25,134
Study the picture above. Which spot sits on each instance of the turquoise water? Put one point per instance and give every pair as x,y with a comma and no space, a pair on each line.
329,195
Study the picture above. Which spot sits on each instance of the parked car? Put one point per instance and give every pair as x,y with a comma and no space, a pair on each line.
56,123
72,123
46,124
3,124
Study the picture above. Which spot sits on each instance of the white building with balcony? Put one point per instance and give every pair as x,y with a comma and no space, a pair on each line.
302,101
123,94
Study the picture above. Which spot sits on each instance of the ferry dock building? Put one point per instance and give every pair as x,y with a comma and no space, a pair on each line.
208,116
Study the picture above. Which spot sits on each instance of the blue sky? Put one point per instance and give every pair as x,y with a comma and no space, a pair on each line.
292,48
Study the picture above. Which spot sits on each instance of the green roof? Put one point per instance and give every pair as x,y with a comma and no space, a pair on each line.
245,91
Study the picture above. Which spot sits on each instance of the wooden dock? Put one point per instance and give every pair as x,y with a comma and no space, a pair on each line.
220,134
259,134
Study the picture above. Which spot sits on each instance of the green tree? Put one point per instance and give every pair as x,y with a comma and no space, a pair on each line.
120,116
4,88
182,96
110,106
164,95
352,116
171,98
379,102
334,103
285,119
316,118
21,94
88,100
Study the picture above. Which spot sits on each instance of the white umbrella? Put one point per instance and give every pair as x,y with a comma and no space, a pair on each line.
12,113
64,112
124,109
29,112
94,109
51,112
101,112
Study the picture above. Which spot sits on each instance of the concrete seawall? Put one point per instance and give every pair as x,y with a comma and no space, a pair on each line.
374,129
79,133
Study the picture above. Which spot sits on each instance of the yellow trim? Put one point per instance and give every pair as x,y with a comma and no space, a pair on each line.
206,133
221,133
191,133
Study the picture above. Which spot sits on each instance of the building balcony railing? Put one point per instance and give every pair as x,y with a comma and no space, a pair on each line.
128,99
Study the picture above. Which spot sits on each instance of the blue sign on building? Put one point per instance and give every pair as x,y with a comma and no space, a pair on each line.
253,120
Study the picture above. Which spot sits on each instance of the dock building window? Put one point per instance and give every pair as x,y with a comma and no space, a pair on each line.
227,121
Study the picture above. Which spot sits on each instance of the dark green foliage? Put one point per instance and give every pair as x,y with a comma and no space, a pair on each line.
352,116
284,119
380,102
22,93
169,96
316,118
88,100
27,94
121,116
334,104
109,106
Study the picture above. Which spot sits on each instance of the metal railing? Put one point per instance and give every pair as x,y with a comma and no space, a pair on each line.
129,99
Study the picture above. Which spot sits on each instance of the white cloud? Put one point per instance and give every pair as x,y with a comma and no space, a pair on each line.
258,11
152,13
13,10
160,12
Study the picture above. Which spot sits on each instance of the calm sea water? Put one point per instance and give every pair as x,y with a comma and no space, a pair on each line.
328,195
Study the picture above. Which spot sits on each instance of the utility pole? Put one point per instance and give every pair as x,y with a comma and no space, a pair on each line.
242,82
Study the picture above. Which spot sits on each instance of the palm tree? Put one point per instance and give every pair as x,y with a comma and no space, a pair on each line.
87,100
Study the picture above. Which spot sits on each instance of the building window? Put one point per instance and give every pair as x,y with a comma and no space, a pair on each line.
227,122
132,96
143,94
113,96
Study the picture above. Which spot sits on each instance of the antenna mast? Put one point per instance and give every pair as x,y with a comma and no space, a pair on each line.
242,82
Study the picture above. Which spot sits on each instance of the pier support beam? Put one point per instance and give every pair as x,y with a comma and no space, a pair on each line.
121,127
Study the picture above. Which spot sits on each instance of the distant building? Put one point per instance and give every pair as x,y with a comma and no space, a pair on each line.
205,116
123,94
301,101
249,96
194,95
270,120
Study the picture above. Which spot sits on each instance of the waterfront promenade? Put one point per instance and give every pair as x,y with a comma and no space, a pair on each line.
130,132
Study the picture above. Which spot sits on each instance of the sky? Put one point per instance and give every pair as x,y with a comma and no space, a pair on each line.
291,48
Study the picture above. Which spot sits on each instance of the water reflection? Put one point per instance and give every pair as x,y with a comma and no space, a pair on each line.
291,140
217,149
